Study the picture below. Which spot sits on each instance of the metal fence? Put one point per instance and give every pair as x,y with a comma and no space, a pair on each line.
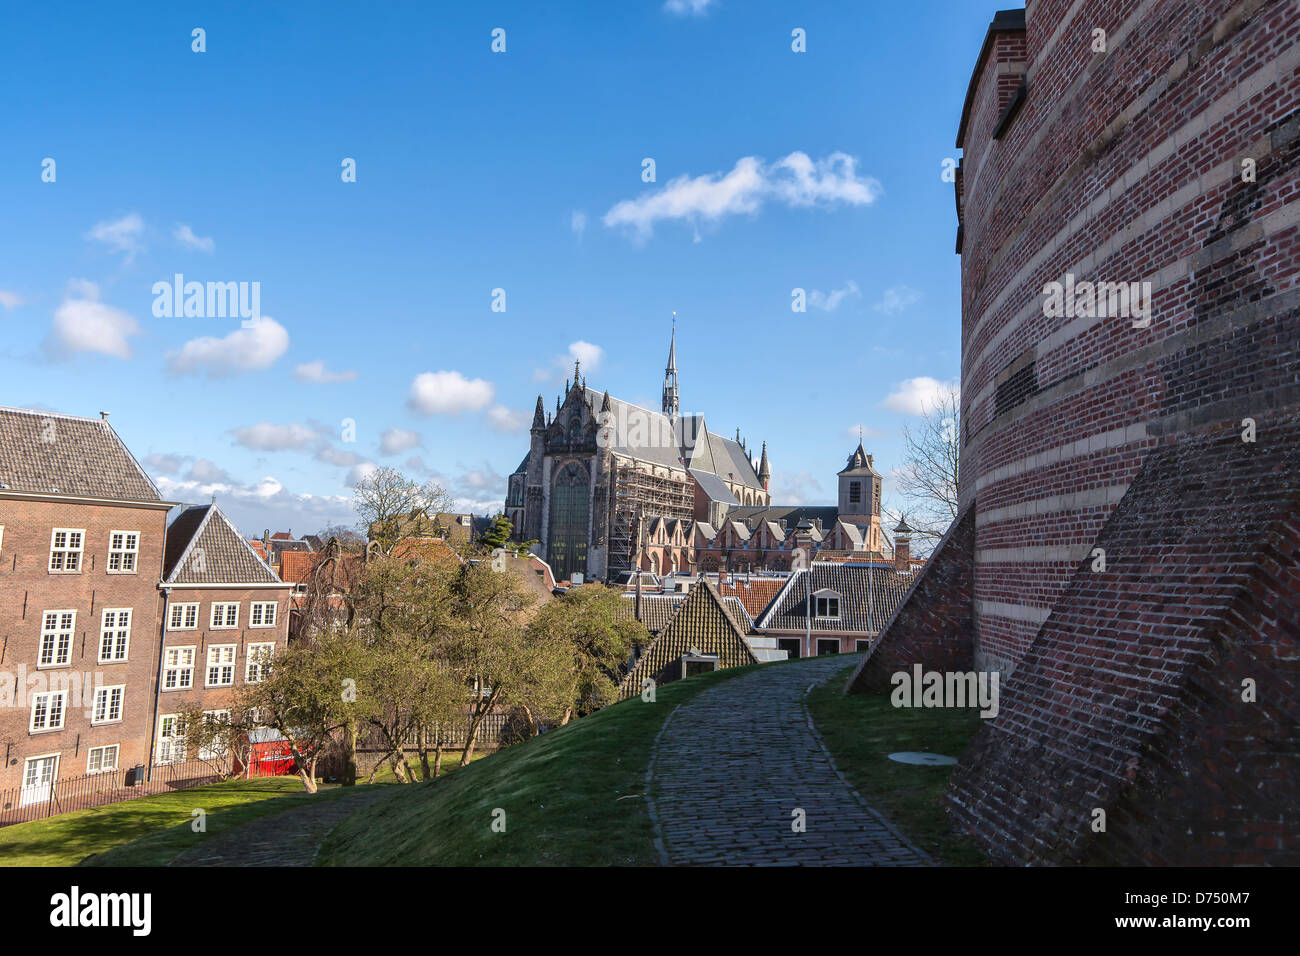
21,804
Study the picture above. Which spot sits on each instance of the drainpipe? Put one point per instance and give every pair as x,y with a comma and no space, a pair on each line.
157,687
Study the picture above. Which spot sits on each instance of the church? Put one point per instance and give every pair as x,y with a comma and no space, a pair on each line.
600,470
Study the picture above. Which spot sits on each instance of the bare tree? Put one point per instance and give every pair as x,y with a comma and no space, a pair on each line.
927,480
391,505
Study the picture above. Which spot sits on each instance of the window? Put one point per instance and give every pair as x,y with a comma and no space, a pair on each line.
102,759
261,614
171,738
48,710
221,665
39,774
259,655
108,704
861,646
178,668
184,617
828,607
216,746
225,615
56,638
65,550
123,548
831,646
855,492
114,635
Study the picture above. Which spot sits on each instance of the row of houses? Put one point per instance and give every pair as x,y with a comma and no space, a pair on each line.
119,610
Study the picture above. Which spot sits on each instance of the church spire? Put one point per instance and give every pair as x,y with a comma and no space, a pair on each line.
764,469
671,403
539,415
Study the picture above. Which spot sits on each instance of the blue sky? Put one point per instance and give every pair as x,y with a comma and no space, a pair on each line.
476,171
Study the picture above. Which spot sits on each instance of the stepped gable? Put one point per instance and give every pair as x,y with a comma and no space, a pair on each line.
1130,697
702,622
934,624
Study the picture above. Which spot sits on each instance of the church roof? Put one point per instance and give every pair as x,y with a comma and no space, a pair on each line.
859,463
714,487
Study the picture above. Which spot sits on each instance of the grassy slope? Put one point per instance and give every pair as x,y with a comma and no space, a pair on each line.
72,837
861,730
573,797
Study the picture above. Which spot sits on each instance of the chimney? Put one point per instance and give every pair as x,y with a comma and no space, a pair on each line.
902,547
104,415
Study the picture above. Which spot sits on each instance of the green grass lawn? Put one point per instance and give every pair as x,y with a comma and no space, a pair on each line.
164,819
572,797
862,730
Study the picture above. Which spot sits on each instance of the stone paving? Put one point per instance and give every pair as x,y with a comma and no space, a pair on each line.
733,762
279,839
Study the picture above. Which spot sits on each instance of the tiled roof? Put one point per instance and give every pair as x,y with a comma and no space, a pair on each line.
754,593
257,545
656,609
869,593
49,453
295,566
203,547
701,622
786,515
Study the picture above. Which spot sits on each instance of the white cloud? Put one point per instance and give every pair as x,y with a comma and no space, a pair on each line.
336,456
205,472
687,8
796,488
484,479
796,181
359,473
164,464
83,324
578,223
263,504
10,300
243,350
507,419
265,436
586,353
397,440
896,299
120,235
186,237
449,393
917,396
830,301
316,372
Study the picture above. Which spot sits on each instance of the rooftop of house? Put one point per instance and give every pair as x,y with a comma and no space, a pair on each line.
49,453
868,594
203,547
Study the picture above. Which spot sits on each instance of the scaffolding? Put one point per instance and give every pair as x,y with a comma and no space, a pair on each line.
638,496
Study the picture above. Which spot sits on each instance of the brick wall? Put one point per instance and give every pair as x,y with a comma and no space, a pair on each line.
934,624
28,588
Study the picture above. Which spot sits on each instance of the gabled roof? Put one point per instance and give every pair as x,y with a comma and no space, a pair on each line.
706,530
49,453
755,593
869,594
714,487
203,547
703,623
787,515
656,609
859,463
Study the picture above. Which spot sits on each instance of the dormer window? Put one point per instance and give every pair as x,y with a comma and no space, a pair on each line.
827,604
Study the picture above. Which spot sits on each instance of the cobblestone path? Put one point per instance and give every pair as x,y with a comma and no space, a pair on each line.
733,762
279,839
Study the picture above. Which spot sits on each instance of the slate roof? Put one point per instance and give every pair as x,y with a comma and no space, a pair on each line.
701,622
203,547
84,458
787,515
714,487
869,593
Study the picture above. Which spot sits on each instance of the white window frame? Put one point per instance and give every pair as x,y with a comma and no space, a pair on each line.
215,654
257,656
257,611
101,751
211,716
180,667
39,792
46,698
117,633
828,597
171,746
55,633
212,616
108,695
128,553
67,552
186,611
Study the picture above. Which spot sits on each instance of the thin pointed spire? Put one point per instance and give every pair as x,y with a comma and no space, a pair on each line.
671,403
539,414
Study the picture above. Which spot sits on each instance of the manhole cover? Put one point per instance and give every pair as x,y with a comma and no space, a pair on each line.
929,760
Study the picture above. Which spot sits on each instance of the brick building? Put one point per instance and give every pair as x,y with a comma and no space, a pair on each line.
224,613
81,550
1128,205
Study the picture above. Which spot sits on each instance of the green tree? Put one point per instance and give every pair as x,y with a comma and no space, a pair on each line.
497,533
